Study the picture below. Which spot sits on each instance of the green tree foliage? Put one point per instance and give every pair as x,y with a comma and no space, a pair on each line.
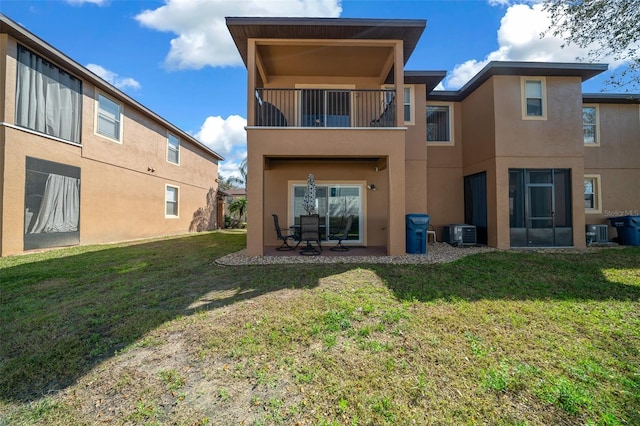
606,28
238,207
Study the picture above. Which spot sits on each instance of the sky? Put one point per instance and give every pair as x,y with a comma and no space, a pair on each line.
177,58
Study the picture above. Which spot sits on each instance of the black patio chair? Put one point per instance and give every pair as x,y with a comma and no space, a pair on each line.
342,235
284,237
310,232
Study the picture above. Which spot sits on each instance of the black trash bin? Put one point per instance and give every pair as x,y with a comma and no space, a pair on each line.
417,226
628,228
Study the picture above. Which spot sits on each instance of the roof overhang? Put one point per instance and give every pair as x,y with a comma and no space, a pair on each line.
325,46
549,69
611,98
429,78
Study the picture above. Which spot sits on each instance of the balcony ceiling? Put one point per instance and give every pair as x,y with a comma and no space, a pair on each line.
336,60
408,31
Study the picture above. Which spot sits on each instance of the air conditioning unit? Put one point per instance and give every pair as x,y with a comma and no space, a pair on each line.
460,235
598,234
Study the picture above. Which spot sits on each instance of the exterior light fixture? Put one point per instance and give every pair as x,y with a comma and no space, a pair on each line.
372,187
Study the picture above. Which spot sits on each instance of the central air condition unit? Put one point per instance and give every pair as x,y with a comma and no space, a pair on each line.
598,234
460,235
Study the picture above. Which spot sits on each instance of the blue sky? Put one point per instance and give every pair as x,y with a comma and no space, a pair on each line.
176,57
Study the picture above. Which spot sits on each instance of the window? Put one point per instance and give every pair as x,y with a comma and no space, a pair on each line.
534,104
48,99
408,109
408,104
171,201
173,149
109,118
439,123
592,194
590,118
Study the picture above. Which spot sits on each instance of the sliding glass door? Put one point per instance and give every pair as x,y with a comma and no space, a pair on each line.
334,203
325,108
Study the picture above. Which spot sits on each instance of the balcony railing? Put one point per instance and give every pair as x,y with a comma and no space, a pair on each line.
325,108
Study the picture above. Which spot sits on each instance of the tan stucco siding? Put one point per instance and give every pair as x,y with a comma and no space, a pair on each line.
479,118
122,185
615,162
619,138
384,208
19,145
559,135
446,201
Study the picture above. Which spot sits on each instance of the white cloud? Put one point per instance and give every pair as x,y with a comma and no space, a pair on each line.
499,2
121,83
81,2
519,40
203,38
223,135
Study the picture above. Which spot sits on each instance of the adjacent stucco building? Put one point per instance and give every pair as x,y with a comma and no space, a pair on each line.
82,163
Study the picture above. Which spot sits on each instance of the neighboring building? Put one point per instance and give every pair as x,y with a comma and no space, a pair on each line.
519,151
81,162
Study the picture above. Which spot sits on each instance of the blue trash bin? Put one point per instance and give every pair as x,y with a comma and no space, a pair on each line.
417,226
628,228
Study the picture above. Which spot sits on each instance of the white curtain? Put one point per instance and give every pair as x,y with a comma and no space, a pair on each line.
60,207
48,100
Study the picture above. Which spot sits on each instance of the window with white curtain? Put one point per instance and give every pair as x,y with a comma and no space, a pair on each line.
173,149
109,117
48,99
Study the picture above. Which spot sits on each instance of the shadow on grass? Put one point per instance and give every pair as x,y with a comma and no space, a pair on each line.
63,312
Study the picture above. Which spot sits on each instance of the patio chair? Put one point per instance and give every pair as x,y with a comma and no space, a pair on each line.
310,232
283,237
387,118
342,235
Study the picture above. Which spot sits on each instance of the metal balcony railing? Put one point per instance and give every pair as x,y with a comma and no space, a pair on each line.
325,108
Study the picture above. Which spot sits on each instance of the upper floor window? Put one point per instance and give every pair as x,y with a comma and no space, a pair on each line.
173,149
439,123
534,102
109,118
592,194
590,118
408,106
48,99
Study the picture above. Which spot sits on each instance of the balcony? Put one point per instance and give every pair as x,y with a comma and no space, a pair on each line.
325,108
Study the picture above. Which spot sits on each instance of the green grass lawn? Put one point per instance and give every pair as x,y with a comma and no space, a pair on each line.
156,333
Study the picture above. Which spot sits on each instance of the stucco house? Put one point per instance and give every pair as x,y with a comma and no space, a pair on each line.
519,151
81,162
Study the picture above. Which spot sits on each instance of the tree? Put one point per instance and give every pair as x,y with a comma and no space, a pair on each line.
607,28
238,206
231,182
